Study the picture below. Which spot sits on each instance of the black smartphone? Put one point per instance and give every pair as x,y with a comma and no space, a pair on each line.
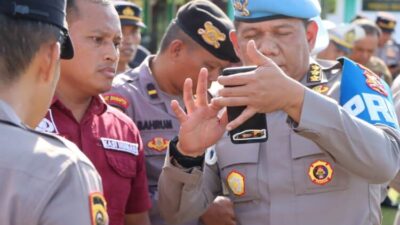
255,128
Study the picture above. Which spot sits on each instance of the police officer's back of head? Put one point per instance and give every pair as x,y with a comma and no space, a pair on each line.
29,33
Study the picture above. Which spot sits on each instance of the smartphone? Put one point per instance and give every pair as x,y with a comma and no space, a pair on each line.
255,128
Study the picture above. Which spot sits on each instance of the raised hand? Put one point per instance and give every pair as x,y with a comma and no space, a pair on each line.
266,89
201,126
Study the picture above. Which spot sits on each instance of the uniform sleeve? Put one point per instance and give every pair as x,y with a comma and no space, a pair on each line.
139,200
69,197
371,152
185,195
120,98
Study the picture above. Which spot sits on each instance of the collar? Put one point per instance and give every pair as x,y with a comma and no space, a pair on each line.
97,105
315,74
7,113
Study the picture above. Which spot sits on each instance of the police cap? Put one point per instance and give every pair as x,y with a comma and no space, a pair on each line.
129,13
46,11
209,26
386,21
261,10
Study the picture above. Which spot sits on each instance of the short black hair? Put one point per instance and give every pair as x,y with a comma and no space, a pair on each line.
173,32
73,11
20,39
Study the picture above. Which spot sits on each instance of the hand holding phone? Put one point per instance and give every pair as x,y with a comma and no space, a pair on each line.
255,128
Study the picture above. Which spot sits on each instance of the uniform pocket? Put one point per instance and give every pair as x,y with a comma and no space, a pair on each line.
315,171
238,166
122,163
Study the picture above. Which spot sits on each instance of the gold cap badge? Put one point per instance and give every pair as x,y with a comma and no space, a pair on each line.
211,34
241,6
128,12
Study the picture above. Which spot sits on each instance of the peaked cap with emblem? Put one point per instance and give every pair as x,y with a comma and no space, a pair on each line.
261,10
386,21
129,13
46,11
209,26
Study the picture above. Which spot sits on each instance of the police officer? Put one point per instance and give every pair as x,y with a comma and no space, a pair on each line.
320,162
389,50
145,93
44,179
364,48
341,41
107,136
131,23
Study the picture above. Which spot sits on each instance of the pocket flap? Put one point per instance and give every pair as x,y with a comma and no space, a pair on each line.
230,154
123,163
302,146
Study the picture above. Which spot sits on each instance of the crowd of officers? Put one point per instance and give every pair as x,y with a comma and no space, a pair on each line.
96,130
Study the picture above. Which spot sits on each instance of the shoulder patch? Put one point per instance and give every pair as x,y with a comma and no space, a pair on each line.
116,100
98,209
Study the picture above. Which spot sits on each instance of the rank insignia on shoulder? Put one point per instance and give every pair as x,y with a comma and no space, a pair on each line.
236,182
152,91
241,6
322,89
314,73
373,81
320,172
98,209
116,100
211,34
158,143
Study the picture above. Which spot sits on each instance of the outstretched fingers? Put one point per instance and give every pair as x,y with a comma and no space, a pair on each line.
180,114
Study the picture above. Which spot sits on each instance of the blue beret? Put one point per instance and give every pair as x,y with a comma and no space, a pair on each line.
260,10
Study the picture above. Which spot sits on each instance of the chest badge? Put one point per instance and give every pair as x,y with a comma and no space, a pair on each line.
236,182
320,172
373,81
211,34
158,143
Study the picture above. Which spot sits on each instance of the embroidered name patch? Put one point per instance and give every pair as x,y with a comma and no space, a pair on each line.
123,146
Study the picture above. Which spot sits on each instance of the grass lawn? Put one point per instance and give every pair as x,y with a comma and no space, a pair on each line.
388,215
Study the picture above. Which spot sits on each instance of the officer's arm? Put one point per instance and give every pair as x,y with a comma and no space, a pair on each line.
185,193
371,152
75,197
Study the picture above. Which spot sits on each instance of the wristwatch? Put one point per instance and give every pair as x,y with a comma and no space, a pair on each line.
182,160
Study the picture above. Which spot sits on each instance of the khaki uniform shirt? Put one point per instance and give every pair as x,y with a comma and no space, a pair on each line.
136,92
379,68
325,170
45,179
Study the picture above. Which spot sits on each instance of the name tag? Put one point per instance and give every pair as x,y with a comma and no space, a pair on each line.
123,146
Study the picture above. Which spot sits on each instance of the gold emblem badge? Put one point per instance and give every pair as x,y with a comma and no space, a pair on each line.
241,6
211,34
98,208
350,36
236,183
373,81
322,89
128,11
158,143
320,172
314,74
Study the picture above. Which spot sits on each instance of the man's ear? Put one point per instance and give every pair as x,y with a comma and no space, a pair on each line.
175,49
234,40
311,34
48,58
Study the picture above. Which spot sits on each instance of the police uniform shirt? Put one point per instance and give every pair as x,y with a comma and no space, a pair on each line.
45,179
379,67
390,53
316,172
112,142
137,94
